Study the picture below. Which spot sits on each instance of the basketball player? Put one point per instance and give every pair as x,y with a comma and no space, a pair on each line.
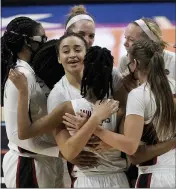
94,86
146,28
34,162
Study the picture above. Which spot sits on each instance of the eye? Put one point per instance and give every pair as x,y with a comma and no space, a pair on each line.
65,52
131,40
91,36
78,50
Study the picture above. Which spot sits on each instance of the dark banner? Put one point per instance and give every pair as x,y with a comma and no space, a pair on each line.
57,2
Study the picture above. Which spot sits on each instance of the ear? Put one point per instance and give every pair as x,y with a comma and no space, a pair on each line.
133,65
59,61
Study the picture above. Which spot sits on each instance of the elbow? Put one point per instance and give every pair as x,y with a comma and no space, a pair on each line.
22,136
132,148
69,156
69,153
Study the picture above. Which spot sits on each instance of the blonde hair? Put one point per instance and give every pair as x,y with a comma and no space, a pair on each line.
154,27
76,10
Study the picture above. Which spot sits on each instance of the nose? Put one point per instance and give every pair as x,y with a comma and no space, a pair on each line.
88,40
126,44
72,54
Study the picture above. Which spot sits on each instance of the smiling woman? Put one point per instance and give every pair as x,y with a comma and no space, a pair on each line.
72,49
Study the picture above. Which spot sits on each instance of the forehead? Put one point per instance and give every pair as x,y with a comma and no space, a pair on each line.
72,41
133,30
86,26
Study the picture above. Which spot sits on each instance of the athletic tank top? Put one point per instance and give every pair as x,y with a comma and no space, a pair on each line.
110,160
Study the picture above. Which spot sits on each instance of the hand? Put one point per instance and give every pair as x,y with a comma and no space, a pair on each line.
19,80
74,123
85,159
105,109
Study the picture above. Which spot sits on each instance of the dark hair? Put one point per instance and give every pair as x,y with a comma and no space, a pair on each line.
69,35
45,64
97,75
150,60
12,43
76,10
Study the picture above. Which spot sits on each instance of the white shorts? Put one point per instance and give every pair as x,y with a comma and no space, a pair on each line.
32,172
156,177
115,180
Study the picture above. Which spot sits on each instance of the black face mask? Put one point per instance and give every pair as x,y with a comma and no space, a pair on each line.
32,42
132,73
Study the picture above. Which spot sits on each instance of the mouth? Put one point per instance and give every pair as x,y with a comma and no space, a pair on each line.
73,62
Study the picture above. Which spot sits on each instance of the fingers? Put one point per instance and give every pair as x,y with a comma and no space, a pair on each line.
69,120
15,74
69,125
114,105
81,114
12,74
70,117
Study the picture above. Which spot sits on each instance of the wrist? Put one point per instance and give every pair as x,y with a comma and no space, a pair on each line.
96,119
23,92
98,130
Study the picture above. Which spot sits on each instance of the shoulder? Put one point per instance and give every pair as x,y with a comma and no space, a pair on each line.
117,79
57,89
56,96
30,75
138,92
124,59
169,55
66,107
116,72
172,84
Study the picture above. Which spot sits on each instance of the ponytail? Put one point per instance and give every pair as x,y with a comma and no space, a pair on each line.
8,61
164,115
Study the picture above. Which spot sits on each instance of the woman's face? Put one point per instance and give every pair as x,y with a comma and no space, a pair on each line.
71,54
86,29
132,33
36,44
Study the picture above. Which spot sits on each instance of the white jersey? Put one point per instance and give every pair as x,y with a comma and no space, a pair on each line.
169,59
141,102
37,101
63,91
109,161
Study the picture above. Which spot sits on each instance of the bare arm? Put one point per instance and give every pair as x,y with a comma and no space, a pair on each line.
128,142
71,146
145,153
26,129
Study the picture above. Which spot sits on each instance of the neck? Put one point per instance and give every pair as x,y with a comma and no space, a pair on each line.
24,57
143,78
74,79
